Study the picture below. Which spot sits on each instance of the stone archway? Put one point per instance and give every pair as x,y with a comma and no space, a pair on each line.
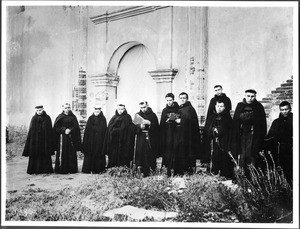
118,54
107,84
135,82
136,85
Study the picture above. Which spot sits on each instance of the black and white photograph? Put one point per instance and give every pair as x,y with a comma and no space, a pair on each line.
150,114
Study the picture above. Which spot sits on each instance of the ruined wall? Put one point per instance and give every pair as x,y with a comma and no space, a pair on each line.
284,92
47,45
249,48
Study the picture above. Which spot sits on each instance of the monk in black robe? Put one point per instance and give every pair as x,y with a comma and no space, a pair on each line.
67,141
250,128
280,140
93,139
219,96
167,132
39,143
147,139
187,138
217,136
119,139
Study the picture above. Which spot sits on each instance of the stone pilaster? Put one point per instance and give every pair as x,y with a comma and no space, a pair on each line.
105,92
196,73
164,79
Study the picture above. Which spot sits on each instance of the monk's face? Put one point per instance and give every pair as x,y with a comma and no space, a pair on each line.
120,109
183,99
220,107
285,110
250,97
170,101
218,91
67,109
143,107
39,111
97,112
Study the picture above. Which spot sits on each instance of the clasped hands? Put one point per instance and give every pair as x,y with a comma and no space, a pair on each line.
178,120
67,131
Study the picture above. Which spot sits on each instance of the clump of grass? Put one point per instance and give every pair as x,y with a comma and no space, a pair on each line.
15,141
149,192
265,197
201,201
85,203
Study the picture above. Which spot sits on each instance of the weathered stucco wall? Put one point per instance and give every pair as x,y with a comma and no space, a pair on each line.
152,30
190,55
45,48
172,36
249,48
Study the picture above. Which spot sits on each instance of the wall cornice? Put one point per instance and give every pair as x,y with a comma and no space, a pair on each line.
107,79
125,13
163,75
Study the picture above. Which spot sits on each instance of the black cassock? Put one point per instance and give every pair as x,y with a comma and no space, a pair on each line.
217,141
119,140
93,139
249,130
66,146
280,141
147,142
39,145
187,140
167,135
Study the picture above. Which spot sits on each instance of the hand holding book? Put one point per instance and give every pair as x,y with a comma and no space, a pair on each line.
138,120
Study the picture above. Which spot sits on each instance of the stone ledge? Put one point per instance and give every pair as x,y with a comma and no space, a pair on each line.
131,213
163,75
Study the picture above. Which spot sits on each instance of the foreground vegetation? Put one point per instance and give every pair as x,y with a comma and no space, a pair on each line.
265,198
15,141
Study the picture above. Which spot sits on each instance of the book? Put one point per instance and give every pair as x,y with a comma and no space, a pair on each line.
138,120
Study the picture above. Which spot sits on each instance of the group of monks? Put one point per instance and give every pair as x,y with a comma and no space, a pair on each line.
137,142
243,140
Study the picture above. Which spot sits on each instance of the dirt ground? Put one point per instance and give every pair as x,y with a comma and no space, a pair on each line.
18,180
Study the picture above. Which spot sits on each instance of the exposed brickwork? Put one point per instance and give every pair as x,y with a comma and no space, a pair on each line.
271,102
79,99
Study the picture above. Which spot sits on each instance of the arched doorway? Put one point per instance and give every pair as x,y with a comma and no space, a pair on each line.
135,82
